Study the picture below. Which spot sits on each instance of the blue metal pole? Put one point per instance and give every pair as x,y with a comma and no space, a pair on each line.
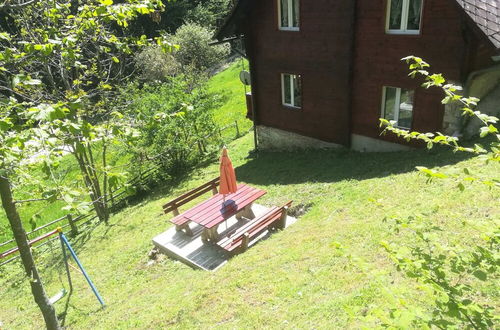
65,257
73,254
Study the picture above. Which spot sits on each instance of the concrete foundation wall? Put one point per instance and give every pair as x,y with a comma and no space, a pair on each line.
368,144
490,104
452,118
275,139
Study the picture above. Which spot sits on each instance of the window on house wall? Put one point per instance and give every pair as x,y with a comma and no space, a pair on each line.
397,106
404,16
291,86
289,14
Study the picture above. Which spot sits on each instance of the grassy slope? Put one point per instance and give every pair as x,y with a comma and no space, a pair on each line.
297,278
226,84
51,211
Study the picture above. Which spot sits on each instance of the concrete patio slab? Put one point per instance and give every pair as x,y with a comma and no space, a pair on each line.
193,252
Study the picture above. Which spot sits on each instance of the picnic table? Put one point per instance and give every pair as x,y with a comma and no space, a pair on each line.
218,209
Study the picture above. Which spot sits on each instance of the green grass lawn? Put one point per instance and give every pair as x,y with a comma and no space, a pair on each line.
49,211
227,84
326,271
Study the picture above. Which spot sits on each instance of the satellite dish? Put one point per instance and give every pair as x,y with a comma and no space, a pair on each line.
245,78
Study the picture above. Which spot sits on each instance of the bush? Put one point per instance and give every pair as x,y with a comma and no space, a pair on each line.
210,13
195,50
459,271
175,122
156,65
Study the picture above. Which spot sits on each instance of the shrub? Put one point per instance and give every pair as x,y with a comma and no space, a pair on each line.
195,49
155,65
175,121
210,13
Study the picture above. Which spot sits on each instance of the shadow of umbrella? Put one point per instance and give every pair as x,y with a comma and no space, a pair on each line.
228,207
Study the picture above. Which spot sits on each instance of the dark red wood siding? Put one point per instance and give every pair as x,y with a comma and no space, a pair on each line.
345,57
446,41
320,52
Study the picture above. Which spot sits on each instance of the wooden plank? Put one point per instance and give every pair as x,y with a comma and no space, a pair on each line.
229,212
275,210
254,228
253,231
180,220
189,196
242,230
218,208
201,210
207,204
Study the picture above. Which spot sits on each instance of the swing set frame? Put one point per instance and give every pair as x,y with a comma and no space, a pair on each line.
64,245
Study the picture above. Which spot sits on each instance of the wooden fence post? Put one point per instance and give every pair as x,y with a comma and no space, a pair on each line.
237,129
74,228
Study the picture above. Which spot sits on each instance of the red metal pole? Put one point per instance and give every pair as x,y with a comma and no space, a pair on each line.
36,240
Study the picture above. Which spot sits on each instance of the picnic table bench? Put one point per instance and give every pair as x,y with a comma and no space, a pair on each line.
274,218
214,211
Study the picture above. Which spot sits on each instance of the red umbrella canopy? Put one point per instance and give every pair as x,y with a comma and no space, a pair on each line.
227,175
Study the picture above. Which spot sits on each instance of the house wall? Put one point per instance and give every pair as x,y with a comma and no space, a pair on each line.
446,41
320,52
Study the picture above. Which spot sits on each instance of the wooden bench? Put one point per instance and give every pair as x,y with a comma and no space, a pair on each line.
182,223
274,218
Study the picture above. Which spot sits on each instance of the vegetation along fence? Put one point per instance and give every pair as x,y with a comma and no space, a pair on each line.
117,199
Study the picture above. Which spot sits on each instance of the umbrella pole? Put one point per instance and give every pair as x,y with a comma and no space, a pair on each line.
224,204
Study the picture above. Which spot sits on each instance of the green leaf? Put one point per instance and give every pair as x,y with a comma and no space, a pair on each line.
480,275
5,124
33,221
115,59
484,131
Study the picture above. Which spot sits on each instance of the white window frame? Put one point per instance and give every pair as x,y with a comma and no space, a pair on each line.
404,19
290,17
292,90
397,104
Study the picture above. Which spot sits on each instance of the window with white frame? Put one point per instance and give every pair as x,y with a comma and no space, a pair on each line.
404,16
397,106
291,86
289,14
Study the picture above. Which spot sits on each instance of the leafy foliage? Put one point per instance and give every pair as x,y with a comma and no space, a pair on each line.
195,49
59,64
450,270
156,65
208,13
175,122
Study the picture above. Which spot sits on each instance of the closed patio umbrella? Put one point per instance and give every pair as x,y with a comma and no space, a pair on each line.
227,175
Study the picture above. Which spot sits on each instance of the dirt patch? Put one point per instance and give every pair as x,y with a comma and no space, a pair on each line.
299,210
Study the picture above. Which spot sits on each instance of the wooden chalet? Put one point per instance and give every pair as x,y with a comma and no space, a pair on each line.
324,71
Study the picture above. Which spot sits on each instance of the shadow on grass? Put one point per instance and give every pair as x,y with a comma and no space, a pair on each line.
282,168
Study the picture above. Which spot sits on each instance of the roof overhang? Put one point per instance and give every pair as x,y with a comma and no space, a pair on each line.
486,16
234,24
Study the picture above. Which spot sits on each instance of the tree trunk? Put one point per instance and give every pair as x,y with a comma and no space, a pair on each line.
48,311
92,183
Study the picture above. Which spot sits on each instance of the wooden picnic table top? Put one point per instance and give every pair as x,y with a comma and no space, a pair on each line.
214,211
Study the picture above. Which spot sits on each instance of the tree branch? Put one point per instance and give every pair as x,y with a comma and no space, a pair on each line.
7,5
